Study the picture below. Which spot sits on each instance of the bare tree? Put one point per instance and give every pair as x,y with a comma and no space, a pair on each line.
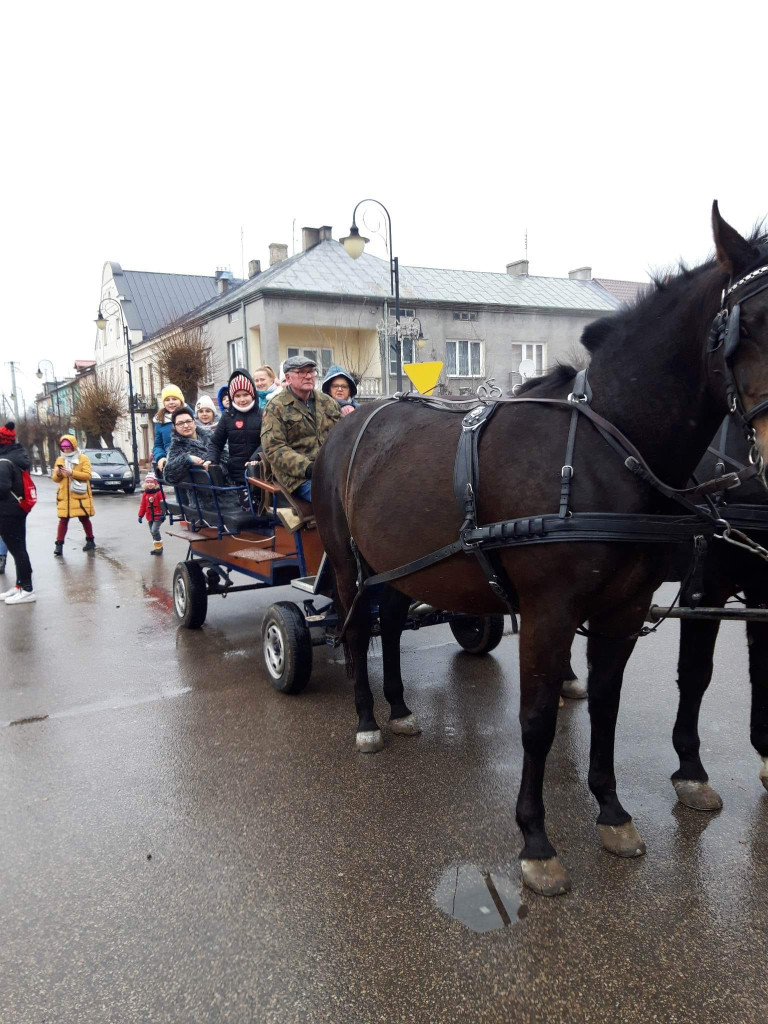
99,404
185,358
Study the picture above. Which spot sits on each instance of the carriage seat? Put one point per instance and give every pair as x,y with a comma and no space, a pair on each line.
294,513
230,512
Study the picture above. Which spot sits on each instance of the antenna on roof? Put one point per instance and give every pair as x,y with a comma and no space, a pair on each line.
293,237
242,255
526,243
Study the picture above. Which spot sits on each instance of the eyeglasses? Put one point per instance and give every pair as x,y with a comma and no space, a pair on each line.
303,373
184,423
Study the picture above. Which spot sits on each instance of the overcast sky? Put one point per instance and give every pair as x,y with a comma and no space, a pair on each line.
152,133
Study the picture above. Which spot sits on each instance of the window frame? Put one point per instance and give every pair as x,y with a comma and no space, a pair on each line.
456,363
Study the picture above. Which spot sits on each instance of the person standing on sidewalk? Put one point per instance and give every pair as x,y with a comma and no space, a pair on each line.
152,509
74,500
3,556
13,519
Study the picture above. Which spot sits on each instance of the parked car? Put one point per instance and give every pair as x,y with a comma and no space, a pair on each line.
110,470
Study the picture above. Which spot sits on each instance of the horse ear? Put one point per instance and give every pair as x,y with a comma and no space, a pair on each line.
734,253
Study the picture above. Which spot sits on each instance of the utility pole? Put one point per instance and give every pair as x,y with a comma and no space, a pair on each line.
14,399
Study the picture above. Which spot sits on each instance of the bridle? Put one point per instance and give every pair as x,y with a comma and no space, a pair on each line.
725,332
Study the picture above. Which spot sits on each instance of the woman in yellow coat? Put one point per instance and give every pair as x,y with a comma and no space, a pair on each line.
74,500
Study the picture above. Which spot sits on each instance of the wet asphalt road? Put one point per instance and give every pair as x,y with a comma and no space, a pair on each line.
180,843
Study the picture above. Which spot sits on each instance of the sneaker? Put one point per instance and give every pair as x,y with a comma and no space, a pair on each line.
8,593
89,545
2,565
21,597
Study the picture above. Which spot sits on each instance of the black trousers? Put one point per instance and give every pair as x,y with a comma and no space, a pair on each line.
13,530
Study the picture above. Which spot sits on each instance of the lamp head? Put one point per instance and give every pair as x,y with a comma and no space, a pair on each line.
354,243
39,374
100,320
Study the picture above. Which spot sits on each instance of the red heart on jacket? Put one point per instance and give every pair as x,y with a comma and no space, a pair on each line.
239,424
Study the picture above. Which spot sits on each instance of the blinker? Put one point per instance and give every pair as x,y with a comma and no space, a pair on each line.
732,334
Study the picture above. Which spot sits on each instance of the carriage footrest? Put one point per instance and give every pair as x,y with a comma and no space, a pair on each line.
257,555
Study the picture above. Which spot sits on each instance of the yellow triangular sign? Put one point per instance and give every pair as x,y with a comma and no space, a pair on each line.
423,376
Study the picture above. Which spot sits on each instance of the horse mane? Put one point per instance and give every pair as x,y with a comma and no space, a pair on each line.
553,379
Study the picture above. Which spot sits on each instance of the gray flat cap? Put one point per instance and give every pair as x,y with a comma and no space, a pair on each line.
298,363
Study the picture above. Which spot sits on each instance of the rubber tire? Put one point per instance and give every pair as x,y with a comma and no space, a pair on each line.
478,634
287,625
129,490
189,576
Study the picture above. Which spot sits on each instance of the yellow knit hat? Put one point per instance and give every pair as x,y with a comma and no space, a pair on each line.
171,391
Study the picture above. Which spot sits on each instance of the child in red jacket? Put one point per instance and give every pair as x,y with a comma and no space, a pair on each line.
151,507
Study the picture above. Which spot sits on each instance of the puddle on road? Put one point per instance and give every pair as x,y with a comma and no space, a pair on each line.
481,900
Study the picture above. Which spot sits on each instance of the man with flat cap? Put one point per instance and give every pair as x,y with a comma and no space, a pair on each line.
295,424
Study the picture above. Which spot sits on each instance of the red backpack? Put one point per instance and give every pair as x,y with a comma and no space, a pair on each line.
29,496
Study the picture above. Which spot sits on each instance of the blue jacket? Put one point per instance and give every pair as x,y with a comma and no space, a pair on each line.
163,433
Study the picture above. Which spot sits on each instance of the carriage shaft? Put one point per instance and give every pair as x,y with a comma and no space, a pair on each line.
657,612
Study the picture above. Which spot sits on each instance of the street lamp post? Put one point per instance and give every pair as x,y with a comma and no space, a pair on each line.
354,243
39,376
101,323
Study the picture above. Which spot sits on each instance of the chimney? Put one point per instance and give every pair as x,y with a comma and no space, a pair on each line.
581,274
254,268
277,252
309,238
326,233
223,279
518,269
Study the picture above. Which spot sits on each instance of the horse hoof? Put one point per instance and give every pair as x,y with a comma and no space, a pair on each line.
573,689
698,795
546,877
369,742
561,703
622,840
407,726
764,772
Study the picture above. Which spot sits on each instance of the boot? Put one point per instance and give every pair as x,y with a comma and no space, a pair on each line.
158,545
58,548
2,565
89,545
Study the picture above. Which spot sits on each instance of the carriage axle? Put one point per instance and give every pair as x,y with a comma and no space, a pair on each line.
657,612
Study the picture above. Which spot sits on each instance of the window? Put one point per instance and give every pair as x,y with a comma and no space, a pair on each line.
409,353
322,356
405,312
141,380
234,316
151,381
464,315
235,355
464,358
532,351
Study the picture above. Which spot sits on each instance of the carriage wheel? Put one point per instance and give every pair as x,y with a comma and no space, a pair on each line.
287,647
190,597
478,634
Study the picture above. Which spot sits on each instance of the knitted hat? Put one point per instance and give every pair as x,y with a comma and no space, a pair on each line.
150,478
240,383
205,402
8,433
171,391
68,437
182,410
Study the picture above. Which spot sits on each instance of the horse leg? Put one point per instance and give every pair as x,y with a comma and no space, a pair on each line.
757,638
694,672
393,611
572,687
368,738
543,653
607,659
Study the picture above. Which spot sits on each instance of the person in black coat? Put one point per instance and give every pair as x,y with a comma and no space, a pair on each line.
241,428
13,519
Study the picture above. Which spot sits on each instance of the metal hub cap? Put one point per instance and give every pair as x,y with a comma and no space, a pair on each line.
274,652
180,596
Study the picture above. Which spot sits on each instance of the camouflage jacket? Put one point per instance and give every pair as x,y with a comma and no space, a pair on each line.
291,437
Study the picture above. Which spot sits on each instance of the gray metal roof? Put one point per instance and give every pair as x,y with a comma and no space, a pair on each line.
328,270
155,300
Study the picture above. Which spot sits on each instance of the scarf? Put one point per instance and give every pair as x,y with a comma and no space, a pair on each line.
239,409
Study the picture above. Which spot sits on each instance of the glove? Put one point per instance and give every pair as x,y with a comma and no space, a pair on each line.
141,519
308,471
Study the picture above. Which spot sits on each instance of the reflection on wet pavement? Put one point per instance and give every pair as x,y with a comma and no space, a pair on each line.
482,900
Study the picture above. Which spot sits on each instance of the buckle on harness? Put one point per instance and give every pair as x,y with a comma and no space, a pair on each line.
574,399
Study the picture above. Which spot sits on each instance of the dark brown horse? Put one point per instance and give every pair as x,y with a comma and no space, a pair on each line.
728,570
652,377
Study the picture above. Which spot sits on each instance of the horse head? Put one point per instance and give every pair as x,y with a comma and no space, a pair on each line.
740,331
